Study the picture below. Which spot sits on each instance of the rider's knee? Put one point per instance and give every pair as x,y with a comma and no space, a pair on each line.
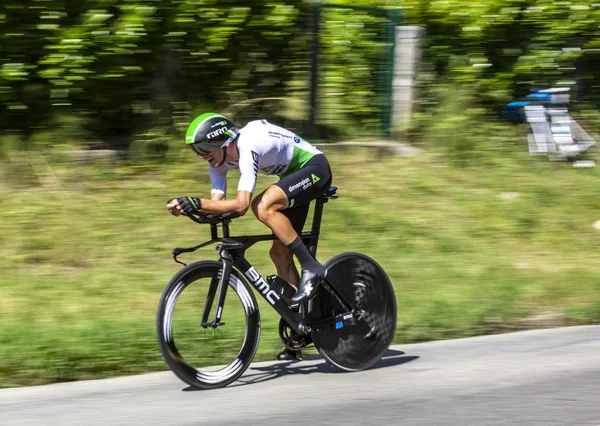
269,203
264,209
255,204
261,208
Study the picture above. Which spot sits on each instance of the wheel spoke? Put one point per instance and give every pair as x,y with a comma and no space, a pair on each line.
202,354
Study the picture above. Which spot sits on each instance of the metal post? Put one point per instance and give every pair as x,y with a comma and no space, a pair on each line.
390,38
407,56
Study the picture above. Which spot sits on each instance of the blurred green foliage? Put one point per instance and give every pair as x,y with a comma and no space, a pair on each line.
355,71
85,255
114,72
128,67
499,50
475,234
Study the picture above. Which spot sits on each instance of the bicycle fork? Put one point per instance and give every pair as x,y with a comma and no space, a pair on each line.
218,286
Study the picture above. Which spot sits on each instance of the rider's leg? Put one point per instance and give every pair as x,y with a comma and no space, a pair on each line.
284,262
267,208
282,256
268,212
283,259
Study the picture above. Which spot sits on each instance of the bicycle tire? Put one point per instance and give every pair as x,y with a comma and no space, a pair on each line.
197,358
364,283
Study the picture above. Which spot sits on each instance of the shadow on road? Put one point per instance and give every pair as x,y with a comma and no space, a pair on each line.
263,374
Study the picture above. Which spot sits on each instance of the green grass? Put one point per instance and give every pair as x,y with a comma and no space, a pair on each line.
472,245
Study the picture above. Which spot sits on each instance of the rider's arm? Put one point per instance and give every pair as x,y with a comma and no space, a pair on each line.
248,163
218,180
239,204
217,204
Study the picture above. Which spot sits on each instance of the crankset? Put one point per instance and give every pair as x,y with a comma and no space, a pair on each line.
291,339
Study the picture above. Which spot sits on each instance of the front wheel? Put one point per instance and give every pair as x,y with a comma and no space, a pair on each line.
194,350
366,286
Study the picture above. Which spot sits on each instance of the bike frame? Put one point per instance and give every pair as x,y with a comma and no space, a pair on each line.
232,255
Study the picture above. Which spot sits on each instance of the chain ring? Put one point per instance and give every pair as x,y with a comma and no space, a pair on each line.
291,339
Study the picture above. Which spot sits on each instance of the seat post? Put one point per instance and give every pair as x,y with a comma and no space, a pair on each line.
213,231
316,226
225,227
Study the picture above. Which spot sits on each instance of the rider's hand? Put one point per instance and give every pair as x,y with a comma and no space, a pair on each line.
183,205
174,207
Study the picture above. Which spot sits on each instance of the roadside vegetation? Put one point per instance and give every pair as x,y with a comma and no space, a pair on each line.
473,245
476,235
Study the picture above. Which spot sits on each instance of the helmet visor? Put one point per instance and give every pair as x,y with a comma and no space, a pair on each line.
197,147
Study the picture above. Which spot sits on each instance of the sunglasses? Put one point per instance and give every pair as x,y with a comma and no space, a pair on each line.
200,151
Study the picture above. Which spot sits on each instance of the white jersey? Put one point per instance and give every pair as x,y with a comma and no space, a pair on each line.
263,147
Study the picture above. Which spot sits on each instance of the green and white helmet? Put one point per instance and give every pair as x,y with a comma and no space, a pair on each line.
210,131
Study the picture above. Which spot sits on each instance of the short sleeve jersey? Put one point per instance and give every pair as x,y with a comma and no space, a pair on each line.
264,148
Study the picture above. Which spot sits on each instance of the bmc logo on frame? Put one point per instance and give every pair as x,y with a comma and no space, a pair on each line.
262,286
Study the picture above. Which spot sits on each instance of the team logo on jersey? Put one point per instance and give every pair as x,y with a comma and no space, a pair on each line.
255,160
277,170
315,179
297,139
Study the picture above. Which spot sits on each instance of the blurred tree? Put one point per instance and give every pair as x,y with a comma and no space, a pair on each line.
23,93
108,71
127,66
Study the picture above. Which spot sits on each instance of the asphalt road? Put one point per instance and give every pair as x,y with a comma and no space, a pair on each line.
544,377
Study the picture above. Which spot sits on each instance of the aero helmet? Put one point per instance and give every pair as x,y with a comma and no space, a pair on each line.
210,131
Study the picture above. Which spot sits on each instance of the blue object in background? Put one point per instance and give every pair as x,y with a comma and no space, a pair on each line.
556,97
514,111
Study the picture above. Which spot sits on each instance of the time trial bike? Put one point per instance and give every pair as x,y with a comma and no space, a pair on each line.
351,320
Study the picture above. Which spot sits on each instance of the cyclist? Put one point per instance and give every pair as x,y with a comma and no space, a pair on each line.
304,174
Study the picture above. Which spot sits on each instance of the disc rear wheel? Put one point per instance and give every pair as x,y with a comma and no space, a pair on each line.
367,288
